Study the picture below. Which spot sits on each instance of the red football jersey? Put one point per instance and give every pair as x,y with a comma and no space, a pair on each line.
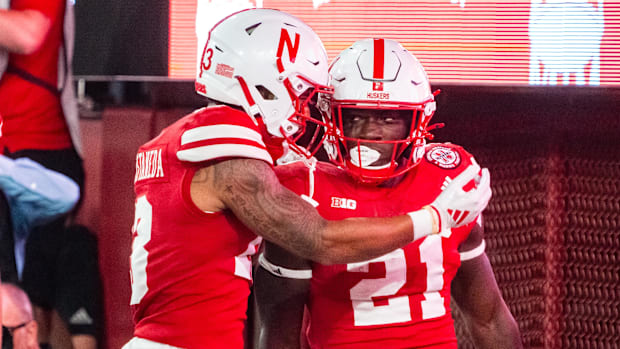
399,300
191,270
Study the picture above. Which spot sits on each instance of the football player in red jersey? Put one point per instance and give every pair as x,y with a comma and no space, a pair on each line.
381,108
206,186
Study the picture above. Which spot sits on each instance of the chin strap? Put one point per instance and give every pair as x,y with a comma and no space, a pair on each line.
253,107
371,175
311,164
427,133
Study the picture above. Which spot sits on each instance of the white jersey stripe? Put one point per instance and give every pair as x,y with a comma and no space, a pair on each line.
473,253
203,133
214,151
141,343
280,271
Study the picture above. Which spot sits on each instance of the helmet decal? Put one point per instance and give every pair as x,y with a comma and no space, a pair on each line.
208,54
378,50
292,49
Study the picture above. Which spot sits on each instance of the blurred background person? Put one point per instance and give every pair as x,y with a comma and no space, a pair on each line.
19,328
0,312
30,196
59,268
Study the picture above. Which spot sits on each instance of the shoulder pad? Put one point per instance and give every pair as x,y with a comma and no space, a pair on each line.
221,132
291,170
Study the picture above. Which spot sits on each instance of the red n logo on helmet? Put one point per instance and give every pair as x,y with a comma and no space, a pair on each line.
291,47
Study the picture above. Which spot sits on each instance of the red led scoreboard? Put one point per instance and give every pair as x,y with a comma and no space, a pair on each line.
537,42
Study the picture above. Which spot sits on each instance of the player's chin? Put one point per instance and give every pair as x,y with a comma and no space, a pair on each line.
381,163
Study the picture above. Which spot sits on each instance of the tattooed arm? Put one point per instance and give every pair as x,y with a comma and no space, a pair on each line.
252,191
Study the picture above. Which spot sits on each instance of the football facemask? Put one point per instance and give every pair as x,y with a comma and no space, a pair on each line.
380,76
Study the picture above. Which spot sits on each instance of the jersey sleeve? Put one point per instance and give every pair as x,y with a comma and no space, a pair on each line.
221,133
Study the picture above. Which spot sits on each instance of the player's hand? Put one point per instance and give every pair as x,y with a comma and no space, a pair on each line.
456,207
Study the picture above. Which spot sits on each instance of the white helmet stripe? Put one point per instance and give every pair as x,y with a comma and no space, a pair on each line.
379,60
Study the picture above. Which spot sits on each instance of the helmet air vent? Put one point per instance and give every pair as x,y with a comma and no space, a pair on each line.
251,28
265,93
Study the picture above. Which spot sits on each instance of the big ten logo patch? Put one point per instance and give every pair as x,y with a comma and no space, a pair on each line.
348,204
443,157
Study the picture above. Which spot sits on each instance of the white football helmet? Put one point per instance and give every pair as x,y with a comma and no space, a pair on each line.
378,74
272,65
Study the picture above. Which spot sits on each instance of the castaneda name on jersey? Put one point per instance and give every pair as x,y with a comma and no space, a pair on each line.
149,165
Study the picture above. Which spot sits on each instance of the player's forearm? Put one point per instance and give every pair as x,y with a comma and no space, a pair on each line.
337,242
275,336
356,239
501,332
360,239
22,31
280,303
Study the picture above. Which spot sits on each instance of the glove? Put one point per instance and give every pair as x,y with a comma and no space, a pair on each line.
455,207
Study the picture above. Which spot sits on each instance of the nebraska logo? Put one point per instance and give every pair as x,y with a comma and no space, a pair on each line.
378,95
224,70
377,86
291,47
443,157
348,204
